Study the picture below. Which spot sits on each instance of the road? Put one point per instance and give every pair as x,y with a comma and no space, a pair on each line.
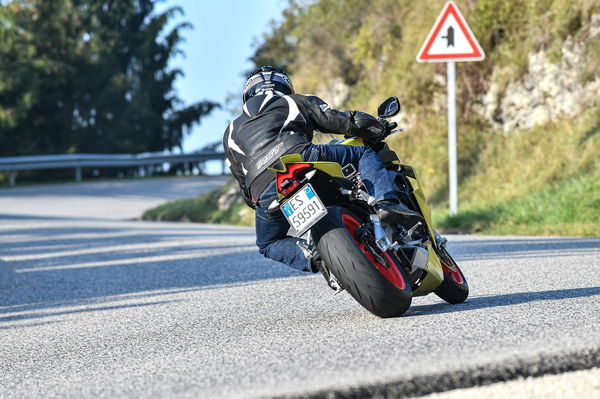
92,305
121,199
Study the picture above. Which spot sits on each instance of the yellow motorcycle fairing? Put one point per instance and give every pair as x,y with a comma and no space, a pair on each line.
353,141
435,274
331,168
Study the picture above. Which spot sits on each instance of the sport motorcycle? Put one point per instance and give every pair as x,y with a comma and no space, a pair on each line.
382,266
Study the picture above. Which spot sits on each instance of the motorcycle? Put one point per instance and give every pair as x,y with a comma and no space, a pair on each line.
381,266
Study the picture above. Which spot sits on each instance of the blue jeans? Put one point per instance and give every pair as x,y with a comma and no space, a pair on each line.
272,236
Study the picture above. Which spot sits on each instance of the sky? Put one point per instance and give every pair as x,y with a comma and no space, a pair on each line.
216,54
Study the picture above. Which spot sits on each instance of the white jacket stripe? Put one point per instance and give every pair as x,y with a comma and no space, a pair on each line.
292,114
232,143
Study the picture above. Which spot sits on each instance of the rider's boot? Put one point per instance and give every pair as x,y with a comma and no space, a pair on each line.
395,212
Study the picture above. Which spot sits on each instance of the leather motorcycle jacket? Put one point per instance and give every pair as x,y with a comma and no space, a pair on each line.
271,126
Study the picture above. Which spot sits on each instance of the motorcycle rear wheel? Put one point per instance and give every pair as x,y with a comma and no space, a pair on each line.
383,291
454,288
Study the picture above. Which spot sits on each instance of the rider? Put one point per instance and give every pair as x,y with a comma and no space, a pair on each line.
276,122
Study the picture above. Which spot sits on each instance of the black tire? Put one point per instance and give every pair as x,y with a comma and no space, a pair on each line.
452,289
355,272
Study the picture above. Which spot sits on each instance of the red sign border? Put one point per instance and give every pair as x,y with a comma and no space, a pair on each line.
450,8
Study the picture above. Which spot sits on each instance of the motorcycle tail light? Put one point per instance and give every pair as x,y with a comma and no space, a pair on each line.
288,186
288,181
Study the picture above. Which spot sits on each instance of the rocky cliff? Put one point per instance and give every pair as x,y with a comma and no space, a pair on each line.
549,88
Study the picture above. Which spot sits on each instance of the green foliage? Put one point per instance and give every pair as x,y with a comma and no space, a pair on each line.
592,62
571,207
90,76
534,182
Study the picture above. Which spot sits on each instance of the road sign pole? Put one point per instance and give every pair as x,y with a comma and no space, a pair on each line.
451,40
452,162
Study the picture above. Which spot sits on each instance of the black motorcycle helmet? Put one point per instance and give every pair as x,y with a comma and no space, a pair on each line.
267,78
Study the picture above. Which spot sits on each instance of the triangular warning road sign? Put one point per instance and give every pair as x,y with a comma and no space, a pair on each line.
450,39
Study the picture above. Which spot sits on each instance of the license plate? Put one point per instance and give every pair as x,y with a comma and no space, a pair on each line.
303,209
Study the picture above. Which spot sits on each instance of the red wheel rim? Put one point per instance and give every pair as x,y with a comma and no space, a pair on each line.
392,274
454,275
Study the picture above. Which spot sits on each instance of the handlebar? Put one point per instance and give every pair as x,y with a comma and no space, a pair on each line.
391,127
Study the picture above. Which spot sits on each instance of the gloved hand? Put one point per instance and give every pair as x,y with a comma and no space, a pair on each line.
376,141
368,127
389,126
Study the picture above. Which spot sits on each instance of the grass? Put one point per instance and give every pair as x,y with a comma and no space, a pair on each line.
569,208
203,209
545,181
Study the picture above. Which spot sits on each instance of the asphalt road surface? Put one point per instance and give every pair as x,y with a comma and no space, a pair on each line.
121,199
94,306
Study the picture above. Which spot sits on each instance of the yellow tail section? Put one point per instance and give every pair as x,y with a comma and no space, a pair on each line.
331,168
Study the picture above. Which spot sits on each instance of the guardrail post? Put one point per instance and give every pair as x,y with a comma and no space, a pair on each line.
12,178
223,166
78,173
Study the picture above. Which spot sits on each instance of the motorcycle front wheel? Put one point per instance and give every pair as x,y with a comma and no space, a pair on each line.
382,289
454,288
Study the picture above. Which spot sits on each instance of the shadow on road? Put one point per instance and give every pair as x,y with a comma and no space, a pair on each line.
5,216
46,268
492,301
485,249
28,316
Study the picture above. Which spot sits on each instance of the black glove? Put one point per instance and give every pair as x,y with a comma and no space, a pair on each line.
389,126
371,129
377,142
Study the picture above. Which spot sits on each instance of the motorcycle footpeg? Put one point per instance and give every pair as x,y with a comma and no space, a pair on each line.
307,250
412,230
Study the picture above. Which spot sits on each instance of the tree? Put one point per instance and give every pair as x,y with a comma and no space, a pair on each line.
90,76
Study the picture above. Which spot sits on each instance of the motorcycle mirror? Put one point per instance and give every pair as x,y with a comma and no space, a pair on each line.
389,107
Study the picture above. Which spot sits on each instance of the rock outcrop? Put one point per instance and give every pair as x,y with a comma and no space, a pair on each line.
547,90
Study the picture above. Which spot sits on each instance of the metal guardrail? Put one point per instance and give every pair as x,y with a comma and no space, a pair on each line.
78,161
